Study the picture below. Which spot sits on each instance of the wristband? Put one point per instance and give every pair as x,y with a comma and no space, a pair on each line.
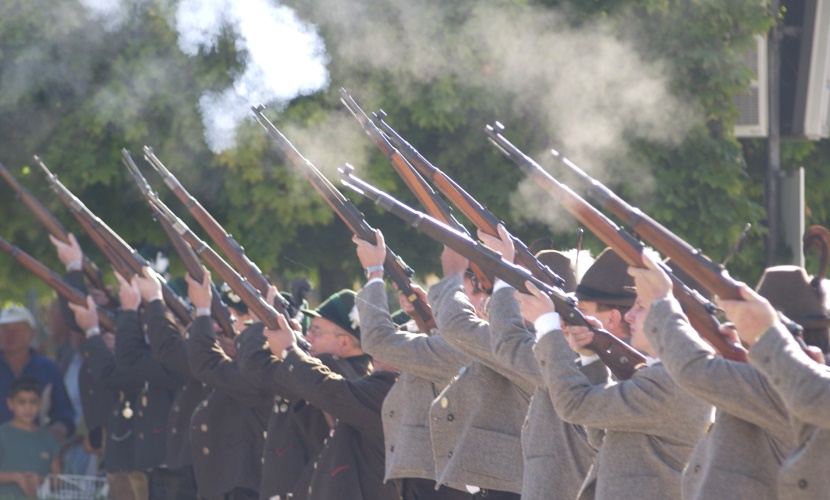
93,331
371,269
202,311
74,265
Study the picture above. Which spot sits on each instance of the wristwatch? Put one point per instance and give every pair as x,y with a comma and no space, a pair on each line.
371,269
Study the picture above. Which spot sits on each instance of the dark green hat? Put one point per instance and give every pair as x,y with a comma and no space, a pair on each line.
340,310
560,264
607,282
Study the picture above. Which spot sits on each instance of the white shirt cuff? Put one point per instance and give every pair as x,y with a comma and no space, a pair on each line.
372,281
545,323
587,360
499,284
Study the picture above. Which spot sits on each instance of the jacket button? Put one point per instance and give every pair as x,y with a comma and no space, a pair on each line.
392,448
391,413
697,469
140,435
205,450
766,359
541,362
802,483
776,381
449,455
444,402
450,417
203,427
264,434
173,430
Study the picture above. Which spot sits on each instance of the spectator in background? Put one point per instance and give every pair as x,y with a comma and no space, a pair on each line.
17,359
27,452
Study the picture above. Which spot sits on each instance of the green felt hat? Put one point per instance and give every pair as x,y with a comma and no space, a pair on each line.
340,310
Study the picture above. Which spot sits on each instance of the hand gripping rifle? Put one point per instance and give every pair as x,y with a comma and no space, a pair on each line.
191,261
255,301
699,310
397,269
478,214
713,276
621,359
55,228
435,206
226,243
51,278
125,259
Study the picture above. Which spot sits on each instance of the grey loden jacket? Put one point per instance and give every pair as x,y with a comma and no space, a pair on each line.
743,450
651,424
476,420
427,362
557,455
805,388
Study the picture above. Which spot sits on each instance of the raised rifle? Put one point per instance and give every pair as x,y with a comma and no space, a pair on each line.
194,268
233,251
699,310
621,359
124,259
714,277
255,301
433,204
55,228
478,214
53,279
394,266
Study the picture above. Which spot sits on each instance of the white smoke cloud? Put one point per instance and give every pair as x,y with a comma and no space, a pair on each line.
110,13
284,58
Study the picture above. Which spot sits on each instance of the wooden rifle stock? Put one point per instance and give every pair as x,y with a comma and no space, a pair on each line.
621,359
233,251
255,301
478,214
122,256
714,277
397,269
699,310
51,278
220,311
55,228
434,205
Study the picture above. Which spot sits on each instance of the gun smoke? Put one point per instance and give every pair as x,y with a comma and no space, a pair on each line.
587,87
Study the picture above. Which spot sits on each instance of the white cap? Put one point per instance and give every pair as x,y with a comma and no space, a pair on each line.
16,314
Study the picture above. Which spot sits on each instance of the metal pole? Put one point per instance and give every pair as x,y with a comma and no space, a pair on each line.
773,171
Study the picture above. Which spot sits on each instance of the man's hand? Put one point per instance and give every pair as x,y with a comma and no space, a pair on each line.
580,336
453,263
68,252
534,304
149,285
280,340
502,244
200,293
652,282
228,346
371,255
752,316
86,317
404,302
128,293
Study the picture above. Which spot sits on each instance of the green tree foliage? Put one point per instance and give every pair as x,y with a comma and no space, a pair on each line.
75,91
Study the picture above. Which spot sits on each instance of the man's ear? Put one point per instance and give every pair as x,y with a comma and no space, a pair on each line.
615,318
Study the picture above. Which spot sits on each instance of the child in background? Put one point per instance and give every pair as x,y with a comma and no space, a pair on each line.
27,452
